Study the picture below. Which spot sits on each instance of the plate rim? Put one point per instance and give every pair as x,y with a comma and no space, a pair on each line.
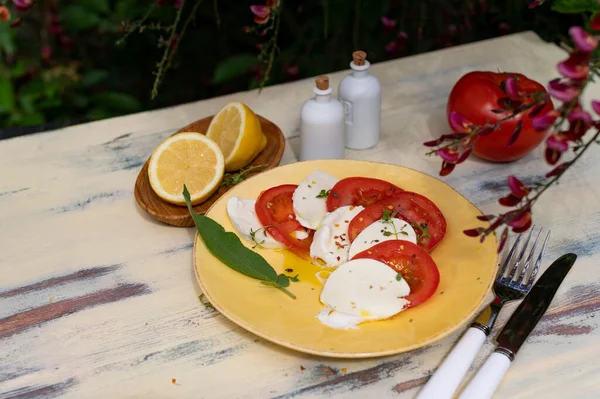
344,355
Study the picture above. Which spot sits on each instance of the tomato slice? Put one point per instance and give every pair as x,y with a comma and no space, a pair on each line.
414,264
274,208
423,215
362,191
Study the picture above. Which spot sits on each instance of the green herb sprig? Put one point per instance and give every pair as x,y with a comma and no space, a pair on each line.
231,179
227,247
323,194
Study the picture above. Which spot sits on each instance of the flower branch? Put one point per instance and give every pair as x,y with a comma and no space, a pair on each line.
567,125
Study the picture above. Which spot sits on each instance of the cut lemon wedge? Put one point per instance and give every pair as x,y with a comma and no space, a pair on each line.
236,130
186,158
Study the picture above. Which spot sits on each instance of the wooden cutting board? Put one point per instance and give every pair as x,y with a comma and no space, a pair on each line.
179,216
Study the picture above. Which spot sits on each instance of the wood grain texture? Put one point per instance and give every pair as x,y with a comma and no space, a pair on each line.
178,215
70,227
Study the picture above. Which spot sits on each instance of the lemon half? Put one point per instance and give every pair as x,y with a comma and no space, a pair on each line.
186,158
236,130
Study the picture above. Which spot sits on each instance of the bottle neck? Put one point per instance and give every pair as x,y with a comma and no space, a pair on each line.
323,98
360,74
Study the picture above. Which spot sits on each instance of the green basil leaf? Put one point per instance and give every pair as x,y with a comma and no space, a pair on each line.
283,280
229,249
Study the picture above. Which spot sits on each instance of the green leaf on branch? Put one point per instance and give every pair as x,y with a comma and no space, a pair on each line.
94,77
118,101
233,67
7,95
575,6
78,18
6,39
95,5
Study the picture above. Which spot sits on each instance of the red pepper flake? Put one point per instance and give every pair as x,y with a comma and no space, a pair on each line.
346,221
336,225
302,368
146,324
173,381
338,258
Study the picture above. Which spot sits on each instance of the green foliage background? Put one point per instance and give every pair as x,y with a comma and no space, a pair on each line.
81,74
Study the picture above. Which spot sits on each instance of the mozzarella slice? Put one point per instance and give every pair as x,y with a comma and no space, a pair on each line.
379,231
362,290
330,243
309,199
242,214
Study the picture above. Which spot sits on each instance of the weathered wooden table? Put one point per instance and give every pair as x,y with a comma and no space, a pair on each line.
97,299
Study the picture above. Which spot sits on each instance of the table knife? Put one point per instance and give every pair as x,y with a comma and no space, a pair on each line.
517,329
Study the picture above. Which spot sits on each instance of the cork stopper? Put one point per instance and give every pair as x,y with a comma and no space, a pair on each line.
322,82
359,57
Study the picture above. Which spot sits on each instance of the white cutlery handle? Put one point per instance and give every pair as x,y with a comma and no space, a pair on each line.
485,382
446,379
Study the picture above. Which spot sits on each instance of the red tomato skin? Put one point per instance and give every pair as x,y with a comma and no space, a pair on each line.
279,219
359,191
400,203
415,265
476,94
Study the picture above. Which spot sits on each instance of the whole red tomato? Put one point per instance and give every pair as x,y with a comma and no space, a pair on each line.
476,94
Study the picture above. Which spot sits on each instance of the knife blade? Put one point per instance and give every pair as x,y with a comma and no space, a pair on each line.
517,329
532,308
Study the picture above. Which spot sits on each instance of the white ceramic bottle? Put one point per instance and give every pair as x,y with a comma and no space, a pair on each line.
360,94
322,125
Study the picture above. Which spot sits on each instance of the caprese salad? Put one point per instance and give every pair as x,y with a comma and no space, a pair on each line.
374,235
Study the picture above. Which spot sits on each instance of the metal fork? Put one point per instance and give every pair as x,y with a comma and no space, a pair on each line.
513,282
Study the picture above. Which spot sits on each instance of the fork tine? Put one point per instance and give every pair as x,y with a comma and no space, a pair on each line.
536,267
518,261
509,257
528,261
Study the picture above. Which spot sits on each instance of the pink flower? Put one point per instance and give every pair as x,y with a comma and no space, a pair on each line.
448,154
576,66
552,156
390,47
509,200
563,91
447,168
512,89
543,122
517,187
459,123
4,14
520,220
555,142
262,13
596,106
595,22
292,70
46,52
535,3
388,23
583,40
23,5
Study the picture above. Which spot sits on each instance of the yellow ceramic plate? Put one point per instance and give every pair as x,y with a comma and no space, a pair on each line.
467,269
